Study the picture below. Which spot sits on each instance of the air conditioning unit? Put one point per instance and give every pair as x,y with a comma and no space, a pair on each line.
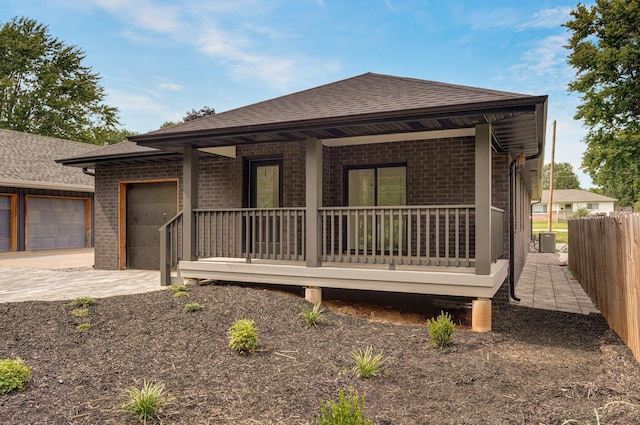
547,242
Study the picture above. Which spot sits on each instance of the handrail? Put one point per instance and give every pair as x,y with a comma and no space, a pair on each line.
170,247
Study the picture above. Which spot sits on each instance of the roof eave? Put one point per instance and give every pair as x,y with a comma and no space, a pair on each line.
525,104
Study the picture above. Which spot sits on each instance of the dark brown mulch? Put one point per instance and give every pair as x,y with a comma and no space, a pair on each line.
536,367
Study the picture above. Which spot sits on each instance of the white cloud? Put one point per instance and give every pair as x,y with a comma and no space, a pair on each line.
165,85
516,19
547,18
144,14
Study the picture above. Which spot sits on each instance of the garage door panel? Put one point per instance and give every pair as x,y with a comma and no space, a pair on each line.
5,224
56,223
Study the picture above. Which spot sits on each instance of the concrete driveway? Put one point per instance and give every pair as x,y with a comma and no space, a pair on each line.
67,274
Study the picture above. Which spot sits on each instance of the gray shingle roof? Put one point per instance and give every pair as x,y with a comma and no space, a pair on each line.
574,195
364,94
28,160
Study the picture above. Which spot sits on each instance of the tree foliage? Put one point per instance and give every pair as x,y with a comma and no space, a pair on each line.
605,51
563,176
202,112
46,89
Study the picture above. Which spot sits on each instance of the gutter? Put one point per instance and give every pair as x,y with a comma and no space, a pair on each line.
512,226
87,172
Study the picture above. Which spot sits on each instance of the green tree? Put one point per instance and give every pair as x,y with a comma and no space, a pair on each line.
46,89
605,51
563,176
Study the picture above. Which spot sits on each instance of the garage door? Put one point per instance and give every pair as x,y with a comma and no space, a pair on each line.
5,224
149,206
55,223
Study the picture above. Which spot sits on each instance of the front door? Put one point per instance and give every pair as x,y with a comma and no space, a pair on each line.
148,207
265,192
384,185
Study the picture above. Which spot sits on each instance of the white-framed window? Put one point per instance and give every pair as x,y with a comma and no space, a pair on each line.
592,206
540,208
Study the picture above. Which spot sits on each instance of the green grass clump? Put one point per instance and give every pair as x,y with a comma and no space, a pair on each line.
347,411
367,364
440,329
178,287
14,375
146,402
243,336
313,316
191,307
83,327
82,302
180,294
80,312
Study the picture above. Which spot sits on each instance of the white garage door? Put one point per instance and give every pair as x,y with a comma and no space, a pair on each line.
54,223
5,223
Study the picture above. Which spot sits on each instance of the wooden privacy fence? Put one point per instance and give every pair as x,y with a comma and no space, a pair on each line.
605,255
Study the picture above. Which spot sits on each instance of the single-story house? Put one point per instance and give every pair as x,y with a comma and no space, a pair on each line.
43,205
566,201
375,182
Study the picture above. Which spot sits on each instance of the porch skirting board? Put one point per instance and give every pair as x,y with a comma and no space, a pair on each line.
446,281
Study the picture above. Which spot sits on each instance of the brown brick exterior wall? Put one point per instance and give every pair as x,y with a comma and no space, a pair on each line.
439,172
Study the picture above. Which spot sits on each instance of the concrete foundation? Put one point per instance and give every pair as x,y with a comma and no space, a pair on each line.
313,294
481,315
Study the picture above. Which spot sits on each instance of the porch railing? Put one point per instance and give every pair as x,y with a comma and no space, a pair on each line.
421,235
170,247
497,233
251,233
442,235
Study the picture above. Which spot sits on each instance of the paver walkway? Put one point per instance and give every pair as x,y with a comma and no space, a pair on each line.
67,274
547,284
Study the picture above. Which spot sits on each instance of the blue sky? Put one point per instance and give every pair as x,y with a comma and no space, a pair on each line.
159,59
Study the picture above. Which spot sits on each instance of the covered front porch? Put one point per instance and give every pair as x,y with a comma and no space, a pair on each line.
454,250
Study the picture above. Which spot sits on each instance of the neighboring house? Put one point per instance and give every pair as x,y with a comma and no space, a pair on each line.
43,205
567,201
373,182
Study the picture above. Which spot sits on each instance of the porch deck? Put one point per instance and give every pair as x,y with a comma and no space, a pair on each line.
418,279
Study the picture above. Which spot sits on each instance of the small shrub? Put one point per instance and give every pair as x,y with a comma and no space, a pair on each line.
82,302
191,307
14,374
80,312
581,212
146,402
178,287
180,294
366,364
440,329
313,316
243,336
347,411
83,327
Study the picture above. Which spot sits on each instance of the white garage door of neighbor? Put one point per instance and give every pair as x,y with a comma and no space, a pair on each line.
54,223
5,223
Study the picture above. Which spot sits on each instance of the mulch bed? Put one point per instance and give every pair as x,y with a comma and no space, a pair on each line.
536,367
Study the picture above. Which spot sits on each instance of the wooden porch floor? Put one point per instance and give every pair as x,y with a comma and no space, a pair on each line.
433,280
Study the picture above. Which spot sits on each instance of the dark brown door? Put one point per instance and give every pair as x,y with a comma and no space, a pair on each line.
149,206
265,191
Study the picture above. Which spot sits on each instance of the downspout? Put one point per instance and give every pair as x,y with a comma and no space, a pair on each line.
87,172
521,159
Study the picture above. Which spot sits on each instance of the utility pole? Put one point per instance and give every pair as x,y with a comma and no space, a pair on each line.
550,204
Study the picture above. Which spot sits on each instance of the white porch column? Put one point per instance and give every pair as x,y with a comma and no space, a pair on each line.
483,199
189,202
313,197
